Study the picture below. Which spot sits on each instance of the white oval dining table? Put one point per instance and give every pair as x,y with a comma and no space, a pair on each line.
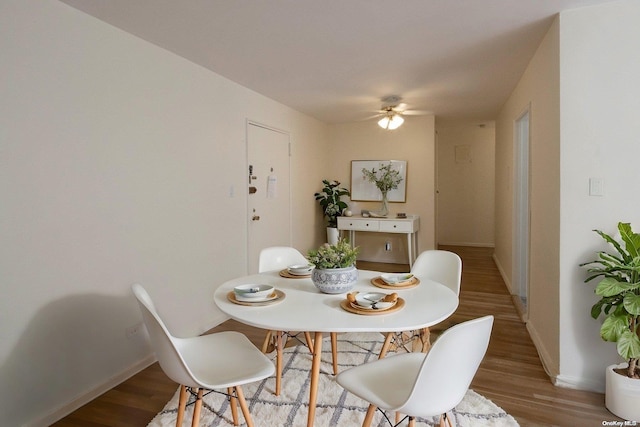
304,308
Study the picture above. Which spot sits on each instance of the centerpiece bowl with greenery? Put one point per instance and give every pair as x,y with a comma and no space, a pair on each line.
385,179
619,292
335,270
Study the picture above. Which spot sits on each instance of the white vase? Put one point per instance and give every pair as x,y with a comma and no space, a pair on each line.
622,395
334,280
332,235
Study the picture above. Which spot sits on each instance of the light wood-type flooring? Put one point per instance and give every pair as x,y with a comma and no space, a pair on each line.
511,374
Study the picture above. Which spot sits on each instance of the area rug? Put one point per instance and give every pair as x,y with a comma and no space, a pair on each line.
336,407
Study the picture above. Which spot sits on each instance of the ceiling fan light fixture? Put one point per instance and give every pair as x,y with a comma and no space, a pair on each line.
391,121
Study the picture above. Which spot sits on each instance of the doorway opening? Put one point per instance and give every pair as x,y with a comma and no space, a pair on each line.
521,232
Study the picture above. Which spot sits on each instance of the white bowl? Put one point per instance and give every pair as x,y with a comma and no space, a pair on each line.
373,300
395,278
251,290
300,269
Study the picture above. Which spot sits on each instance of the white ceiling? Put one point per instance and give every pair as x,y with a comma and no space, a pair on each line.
335,59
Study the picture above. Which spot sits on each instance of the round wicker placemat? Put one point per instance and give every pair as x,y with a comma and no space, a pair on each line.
231,296
377,281
285,273
346,305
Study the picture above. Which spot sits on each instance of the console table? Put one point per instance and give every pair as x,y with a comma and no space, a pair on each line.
409,226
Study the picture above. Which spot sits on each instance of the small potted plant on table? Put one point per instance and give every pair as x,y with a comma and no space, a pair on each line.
619,291
335,267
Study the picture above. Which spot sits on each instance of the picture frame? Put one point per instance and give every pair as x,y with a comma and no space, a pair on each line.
365,191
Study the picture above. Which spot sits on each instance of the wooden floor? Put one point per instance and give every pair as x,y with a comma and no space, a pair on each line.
511,374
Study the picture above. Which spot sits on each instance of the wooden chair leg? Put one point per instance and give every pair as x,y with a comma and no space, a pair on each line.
398,416
369,417
233,403
334,352
279,348
412,422
244,407
195,421
385,345
182,404
266,345
307,336
444,418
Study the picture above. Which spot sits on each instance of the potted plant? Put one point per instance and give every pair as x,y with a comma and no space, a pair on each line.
335,270
619,292
332,206
385,179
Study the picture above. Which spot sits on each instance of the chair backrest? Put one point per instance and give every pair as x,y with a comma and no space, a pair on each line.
442,266
449,368
163,343
279,257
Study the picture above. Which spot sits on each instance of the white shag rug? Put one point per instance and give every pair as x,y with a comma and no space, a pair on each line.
336,407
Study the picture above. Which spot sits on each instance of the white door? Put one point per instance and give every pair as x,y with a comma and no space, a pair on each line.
269,216
521,208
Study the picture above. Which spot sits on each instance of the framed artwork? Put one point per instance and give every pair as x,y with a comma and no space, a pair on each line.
366,191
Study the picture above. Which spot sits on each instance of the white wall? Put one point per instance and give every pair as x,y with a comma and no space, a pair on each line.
414,141
117,164
584,96
537,90
600,133
466,183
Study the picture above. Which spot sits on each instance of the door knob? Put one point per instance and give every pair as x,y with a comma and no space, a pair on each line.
255,218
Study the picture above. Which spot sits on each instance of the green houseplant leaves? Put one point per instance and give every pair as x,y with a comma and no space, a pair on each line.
619,289
329,199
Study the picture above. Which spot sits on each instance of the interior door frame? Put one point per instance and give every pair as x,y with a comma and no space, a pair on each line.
250,122
521,206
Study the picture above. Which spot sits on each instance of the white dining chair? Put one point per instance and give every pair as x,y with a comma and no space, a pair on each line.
278,258
422,384
206,363
440,266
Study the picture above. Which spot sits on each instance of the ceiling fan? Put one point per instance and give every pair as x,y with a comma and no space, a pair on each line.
392,110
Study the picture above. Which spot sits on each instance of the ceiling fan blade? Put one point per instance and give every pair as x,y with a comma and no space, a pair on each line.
416,112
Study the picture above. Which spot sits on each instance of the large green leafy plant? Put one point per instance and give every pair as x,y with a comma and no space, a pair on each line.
330,201
619,289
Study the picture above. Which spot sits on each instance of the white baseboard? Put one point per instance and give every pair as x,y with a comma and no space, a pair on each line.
566,381
505,279
543,354
85,398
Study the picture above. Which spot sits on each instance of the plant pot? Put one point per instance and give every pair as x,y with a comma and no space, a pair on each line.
334,280
622,394
332,235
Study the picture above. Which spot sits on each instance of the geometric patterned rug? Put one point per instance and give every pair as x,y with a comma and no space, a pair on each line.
336,407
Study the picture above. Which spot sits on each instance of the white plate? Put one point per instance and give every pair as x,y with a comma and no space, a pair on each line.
270,297
253,291
372,301
300,269
395,278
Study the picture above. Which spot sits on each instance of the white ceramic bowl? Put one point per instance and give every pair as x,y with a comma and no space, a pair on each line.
300,269
251,290
395,278
373,300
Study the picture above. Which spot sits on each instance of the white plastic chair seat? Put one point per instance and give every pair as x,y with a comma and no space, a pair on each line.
223,359
397,374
